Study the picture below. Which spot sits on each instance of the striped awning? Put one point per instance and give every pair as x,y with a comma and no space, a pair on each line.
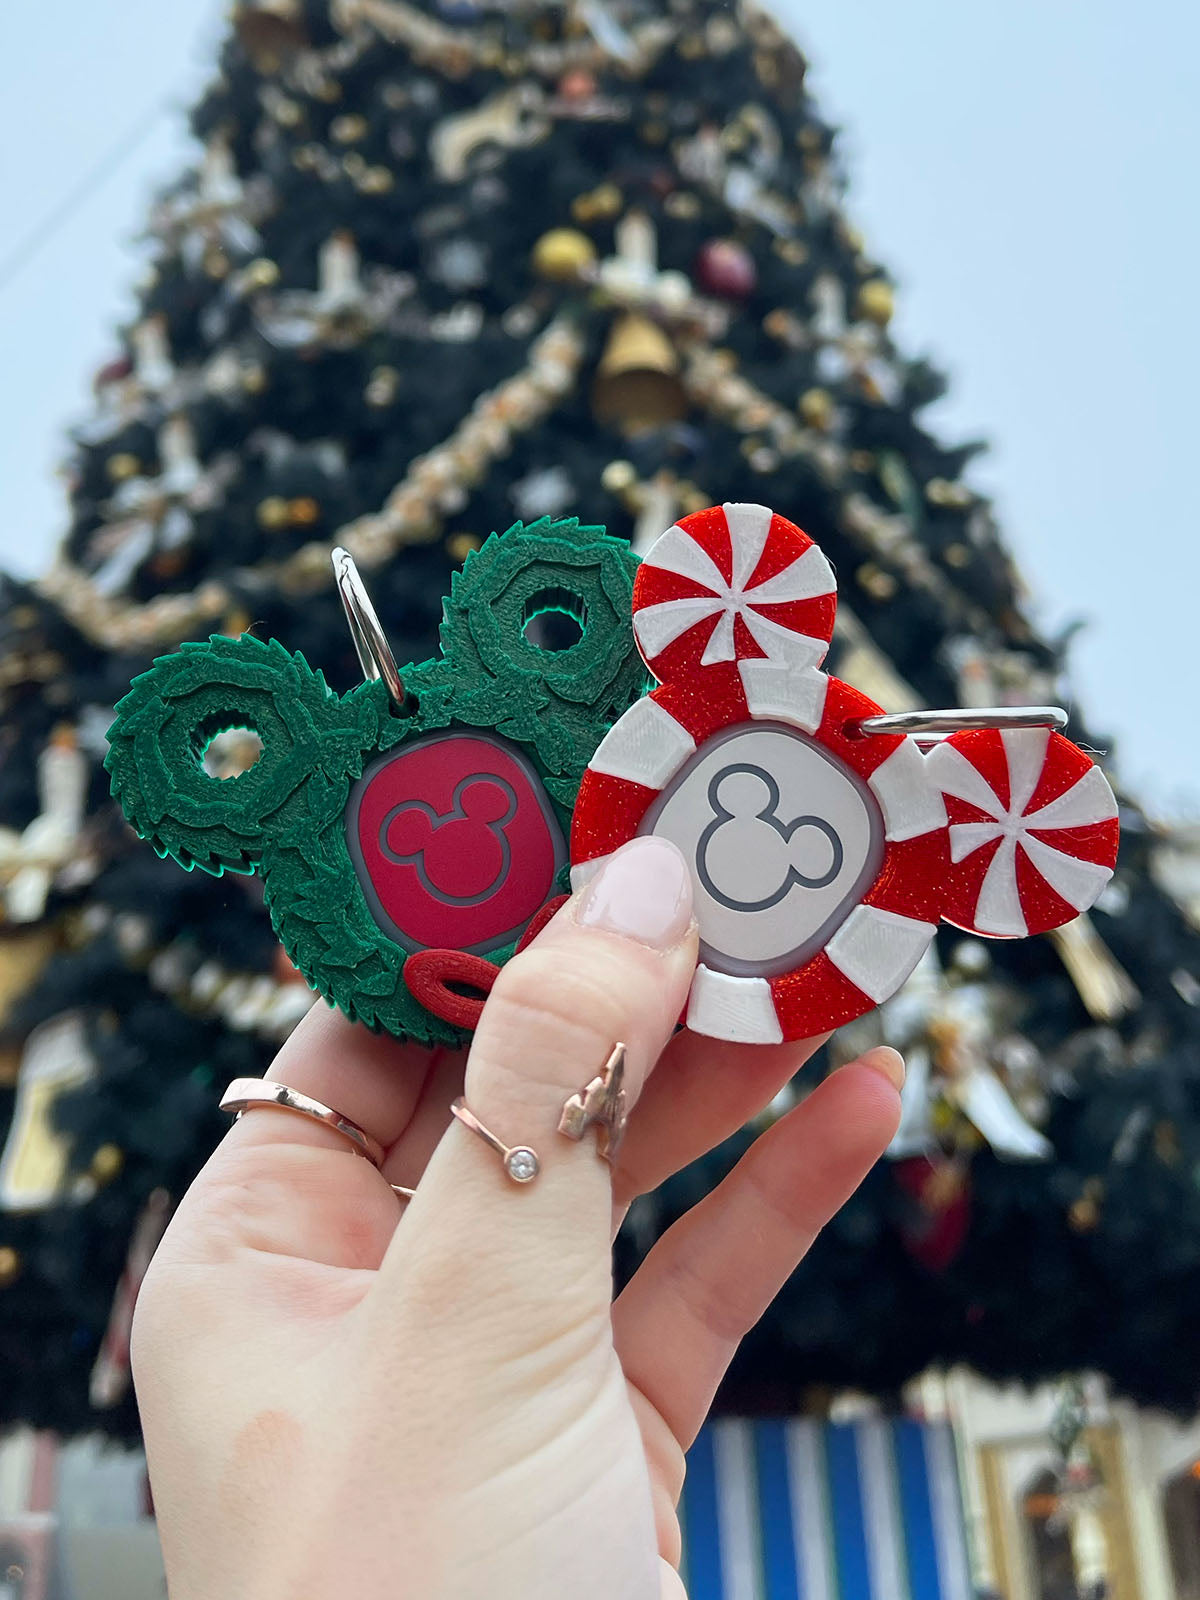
804,1510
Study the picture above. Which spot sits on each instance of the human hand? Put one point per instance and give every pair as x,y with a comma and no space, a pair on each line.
346,1397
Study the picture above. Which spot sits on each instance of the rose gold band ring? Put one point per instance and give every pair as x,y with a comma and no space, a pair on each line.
601,1104
250,1094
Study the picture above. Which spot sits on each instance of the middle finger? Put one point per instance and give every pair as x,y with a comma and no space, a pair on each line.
702,1091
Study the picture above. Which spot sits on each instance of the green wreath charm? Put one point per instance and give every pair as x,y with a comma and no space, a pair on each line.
406,841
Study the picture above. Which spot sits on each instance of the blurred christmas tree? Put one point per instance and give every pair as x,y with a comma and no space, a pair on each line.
440,267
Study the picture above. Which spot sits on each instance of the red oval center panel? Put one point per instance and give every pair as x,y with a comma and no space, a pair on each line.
455,842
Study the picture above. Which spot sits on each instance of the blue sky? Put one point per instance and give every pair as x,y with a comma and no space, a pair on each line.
1024,167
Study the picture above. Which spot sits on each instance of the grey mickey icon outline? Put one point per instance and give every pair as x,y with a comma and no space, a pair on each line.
457,813
767,815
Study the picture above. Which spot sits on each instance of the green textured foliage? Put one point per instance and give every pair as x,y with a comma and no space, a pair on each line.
284,816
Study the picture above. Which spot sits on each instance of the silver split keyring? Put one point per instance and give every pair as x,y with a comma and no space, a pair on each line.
964,720
374,653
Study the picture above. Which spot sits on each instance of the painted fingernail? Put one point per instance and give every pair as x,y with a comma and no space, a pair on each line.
887,1061
643,892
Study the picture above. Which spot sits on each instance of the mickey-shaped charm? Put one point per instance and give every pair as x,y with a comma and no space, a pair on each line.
826,842
409,833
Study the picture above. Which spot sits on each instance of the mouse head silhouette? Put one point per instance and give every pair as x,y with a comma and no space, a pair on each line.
384,835
824,856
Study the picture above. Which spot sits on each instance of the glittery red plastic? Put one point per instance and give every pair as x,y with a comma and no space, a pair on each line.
917,879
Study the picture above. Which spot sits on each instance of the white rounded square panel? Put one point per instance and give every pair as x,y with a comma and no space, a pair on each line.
783,841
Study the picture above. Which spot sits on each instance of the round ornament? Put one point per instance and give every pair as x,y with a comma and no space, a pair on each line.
563,255
726,268
823,856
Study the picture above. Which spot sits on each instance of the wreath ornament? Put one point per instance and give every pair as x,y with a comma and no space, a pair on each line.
405,842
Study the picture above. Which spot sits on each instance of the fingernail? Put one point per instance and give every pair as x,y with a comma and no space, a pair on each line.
887,1061
643,892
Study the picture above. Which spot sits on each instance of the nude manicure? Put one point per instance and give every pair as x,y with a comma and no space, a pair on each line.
643,892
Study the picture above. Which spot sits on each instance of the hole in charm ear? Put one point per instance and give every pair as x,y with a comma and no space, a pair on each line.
227,749
554,619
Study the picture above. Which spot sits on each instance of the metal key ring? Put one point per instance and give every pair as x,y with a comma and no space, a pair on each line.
374,653
963,720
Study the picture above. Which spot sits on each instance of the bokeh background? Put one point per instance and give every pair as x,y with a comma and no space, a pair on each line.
1025,170
983,1380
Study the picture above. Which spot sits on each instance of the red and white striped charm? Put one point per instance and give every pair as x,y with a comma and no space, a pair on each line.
1033,830
823,857
732,583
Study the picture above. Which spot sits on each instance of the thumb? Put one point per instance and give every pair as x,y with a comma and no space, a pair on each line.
614,965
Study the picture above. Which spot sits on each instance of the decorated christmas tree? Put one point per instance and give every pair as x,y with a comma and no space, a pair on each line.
444,267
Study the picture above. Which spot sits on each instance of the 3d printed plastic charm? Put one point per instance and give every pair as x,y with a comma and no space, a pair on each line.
824,851
408,833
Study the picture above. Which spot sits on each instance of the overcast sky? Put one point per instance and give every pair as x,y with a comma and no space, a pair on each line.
1026,168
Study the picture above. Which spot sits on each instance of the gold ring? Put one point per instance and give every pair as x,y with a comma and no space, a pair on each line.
248,1094
520,1162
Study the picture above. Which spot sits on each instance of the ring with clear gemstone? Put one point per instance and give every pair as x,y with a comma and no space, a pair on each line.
521,1164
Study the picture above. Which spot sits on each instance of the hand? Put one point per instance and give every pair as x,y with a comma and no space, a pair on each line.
346,1397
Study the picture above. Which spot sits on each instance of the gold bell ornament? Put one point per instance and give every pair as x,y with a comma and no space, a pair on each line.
637,382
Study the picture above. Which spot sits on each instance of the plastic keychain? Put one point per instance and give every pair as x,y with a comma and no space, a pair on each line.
412,832
827,840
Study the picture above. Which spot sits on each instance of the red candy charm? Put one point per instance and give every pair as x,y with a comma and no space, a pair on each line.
1033,830
823,856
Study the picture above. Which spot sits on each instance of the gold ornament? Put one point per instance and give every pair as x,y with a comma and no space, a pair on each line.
382,386
637,382
460,545
683,205
107,1163
273,513
304,510
791,251
618,477
942,492
816,407
855,238
880,585
22,957
1083,1216
216,263
563,255
349,128
237,623
254,377
956,555
601,204
877,301
122,465
260,274
10,1265
376,180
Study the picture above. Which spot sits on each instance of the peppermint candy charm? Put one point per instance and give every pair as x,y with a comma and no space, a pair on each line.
823,856
1033,830
729,582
